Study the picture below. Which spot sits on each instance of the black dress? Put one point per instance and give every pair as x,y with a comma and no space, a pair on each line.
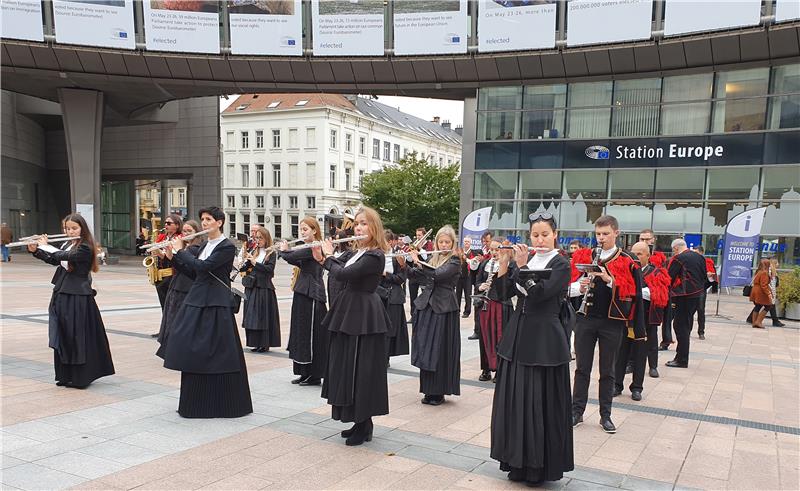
308,340
532,410
76,333
355,383
204,342
261,320
436,335
394,298
178,288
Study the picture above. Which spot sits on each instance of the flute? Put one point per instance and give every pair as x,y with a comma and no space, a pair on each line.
318,243
407,255
164,243
32,240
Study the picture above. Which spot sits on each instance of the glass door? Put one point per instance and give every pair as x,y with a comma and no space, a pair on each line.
116,216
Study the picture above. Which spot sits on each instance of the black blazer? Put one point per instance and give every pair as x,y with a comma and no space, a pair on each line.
358,310
396,283
183,278
309,281
262,272
439,286
207,291
78,279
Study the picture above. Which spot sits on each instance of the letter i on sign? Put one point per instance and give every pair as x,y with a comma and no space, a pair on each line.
747,224
478,223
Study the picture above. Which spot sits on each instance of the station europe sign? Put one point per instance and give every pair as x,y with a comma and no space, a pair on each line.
672,151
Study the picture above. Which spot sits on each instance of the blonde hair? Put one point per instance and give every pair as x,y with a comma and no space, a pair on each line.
313,225
377,239
439,259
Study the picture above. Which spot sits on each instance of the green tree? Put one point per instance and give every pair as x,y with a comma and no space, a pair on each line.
414,193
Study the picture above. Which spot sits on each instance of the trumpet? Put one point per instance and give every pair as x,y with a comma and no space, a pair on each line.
318,243
34,239
418,243
164,243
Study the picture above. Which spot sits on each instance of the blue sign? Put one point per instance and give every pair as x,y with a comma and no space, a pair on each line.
741,242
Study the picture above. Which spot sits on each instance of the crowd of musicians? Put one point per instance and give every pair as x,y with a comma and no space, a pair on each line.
535,308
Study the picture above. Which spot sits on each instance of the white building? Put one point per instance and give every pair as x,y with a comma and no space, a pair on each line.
285,156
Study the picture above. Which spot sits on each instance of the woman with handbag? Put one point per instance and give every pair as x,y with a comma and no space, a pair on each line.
532,408
761,294
204,342
261,322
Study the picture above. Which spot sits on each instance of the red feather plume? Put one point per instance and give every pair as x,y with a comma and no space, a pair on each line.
581,256
620,269
658,282
658,259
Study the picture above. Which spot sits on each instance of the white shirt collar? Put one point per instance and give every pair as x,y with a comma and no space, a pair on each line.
355,257
607,254
540,260
209,248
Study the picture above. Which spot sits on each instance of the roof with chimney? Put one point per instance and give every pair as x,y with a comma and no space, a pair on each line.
250,103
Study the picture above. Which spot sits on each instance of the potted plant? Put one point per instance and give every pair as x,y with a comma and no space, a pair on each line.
789,293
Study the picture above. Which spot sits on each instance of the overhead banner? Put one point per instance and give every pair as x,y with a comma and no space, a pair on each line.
505,25
106,23
430,27
22,19
786,10
476,224
188,26
347,28
682,17
272,27
609,21
739,250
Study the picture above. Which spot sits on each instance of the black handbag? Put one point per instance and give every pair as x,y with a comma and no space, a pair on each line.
249,281
382,292
236,296
567,317
747,290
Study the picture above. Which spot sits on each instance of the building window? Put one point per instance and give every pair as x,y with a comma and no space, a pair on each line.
334,133
499,125
260,216
636,107
387,149
333,177
360,178
229,173
245,176
181,197
231,201
292,176
276,223
544,111
260,175
594,122
311,137
259,138
231,224
276,175
396,156
376,148
691,118
348,143
348,178
245,140
784,110
245,201
229,141
294,221
362,145
293,202
260,202
246,222
293,138
276,201
311,202
276,138
311,175
735,113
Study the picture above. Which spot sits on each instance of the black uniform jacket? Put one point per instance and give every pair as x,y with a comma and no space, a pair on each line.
357,310
76,281
183,278
439,286
207,291
395,282
309,281
534,334
493,293
688,273
262,272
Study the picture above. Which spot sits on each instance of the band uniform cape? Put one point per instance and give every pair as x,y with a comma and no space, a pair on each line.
531,429
494,314
657,280
204,342
688,273
308,340
180,285
261,320
393,293
75,328
436,337
355,383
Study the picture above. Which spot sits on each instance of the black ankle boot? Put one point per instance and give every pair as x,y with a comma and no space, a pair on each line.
347,433
362,433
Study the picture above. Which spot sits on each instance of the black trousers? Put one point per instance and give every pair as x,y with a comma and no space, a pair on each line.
162,287
606,334
685,308
666,325
701,314
652,345
636,351
464,288
413,291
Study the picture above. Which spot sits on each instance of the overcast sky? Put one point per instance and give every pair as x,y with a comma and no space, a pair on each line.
421,108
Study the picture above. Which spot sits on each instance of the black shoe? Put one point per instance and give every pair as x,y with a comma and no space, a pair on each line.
653,373
676,364
485,376
577,419
61,384
628,369
777,323
702,337
154,335
347,433
663,347
616,392
254,350
362,433
636,395
607,425
473,336
310,381
465,315
436,400
298,379
516,475
426,400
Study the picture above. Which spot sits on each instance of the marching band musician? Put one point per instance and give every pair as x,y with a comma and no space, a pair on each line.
655,296
172,225
494,312
435,336
611,309
466,280
204,342
261,321
308,340
334,286
413,283
531,427
179,286
392,291
355,380
75,327
477,256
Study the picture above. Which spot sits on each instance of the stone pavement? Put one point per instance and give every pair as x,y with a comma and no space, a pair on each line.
730,421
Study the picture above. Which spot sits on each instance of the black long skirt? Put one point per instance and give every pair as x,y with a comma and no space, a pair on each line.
172,305
81,353
436,351
308,340
532,420
355,384
261,322
397,337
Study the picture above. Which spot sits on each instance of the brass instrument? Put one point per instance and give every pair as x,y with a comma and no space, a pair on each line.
585,304
418,243
151,263
34,239
154,273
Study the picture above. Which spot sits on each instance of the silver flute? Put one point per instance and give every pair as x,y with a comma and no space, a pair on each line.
35,240
407,255
164,243
318,243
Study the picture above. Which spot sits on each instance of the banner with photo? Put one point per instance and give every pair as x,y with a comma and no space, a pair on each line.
609,21
505,25
188,26
107,23
682,17
22,19
430,27
347,27
786,10
266,27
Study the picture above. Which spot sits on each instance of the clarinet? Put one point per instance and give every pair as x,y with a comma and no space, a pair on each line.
584,308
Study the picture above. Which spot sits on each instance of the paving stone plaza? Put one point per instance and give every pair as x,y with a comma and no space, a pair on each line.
730,421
